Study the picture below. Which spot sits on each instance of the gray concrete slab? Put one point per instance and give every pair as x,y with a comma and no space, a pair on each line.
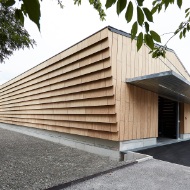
148,175
31,163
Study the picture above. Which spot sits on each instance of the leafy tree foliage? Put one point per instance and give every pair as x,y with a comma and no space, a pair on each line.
144,15
13,36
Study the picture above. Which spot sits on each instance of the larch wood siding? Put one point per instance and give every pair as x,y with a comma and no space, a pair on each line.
186,119
136,108
83,91
71,92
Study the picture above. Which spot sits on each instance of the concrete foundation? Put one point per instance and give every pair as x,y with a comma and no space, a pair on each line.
138,143
185,136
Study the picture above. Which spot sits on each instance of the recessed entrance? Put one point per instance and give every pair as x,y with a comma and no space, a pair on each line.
168,113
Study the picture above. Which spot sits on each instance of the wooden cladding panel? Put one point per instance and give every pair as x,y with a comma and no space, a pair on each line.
72,92
70,53
55,97
176,65
136,109
141,63
186,118
83,132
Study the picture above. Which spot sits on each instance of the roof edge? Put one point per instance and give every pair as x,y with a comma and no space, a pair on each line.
121,32
55,55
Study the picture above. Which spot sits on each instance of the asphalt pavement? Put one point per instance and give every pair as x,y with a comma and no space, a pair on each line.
178,153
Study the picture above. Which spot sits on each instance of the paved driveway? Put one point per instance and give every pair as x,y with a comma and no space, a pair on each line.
178,153
148,175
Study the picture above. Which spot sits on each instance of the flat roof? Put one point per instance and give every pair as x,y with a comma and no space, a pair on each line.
168,84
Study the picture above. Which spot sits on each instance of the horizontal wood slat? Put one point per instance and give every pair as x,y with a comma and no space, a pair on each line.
71,92
88,90
84,132
68,53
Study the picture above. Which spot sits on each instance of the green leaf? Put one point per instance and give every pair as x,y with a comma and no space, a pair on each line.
166,4
109,3
140,16
146,27
129,12
154,9
19,16
32,8
121,4
187,15
184,32
186,10
149,41
159,8
188,27
154,54
154,2
23,10
148,14
140,2
9,3
164,54
181,35
139,41
176,31
134,30
179,3
155,36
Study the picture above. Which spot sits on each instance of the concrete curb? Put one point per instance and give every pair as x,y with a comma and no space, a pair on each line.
129,156
74,182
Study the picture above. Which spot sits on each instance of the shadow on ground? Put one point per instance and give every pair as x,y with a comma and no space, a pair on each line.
178,153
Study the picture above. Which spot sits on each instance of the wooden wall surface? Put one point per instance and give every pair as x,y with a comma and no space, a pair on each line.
83,91
186,119
71,92
136,108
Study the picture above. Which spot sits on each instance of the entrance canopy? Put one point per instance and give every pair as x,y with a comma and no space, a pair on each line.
167,84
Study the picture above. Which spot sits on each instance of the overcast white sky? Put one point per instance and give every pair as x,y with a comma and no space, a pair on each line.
61,28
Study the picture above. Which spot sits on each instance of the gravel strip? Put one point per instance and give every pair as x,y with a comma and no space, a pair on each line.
31,163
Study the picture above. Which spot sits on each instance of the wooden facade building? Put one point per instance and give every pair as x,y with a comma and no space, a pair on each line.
102,95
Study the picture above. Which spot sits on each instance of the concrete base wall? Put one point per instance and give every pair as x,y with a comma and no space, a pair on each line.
138,143
184,136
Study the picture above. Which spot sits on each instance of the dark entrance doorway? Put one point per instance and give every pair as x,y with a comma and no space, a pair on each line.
168,113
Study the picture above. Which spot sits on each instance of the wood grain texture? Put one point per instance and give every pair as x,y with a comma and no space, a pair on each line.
136,108
71,92
82,91
186,119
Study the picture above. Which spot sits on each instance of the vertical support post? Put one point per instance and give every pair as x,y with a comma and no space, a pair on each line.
177,121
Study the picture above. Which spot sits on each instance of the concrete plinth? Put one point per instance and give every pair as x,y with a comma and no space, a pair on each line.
185,136
138,143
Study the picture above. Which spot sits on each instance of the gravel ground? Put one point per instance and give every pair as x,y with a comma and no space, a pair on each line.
31,163
148,175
